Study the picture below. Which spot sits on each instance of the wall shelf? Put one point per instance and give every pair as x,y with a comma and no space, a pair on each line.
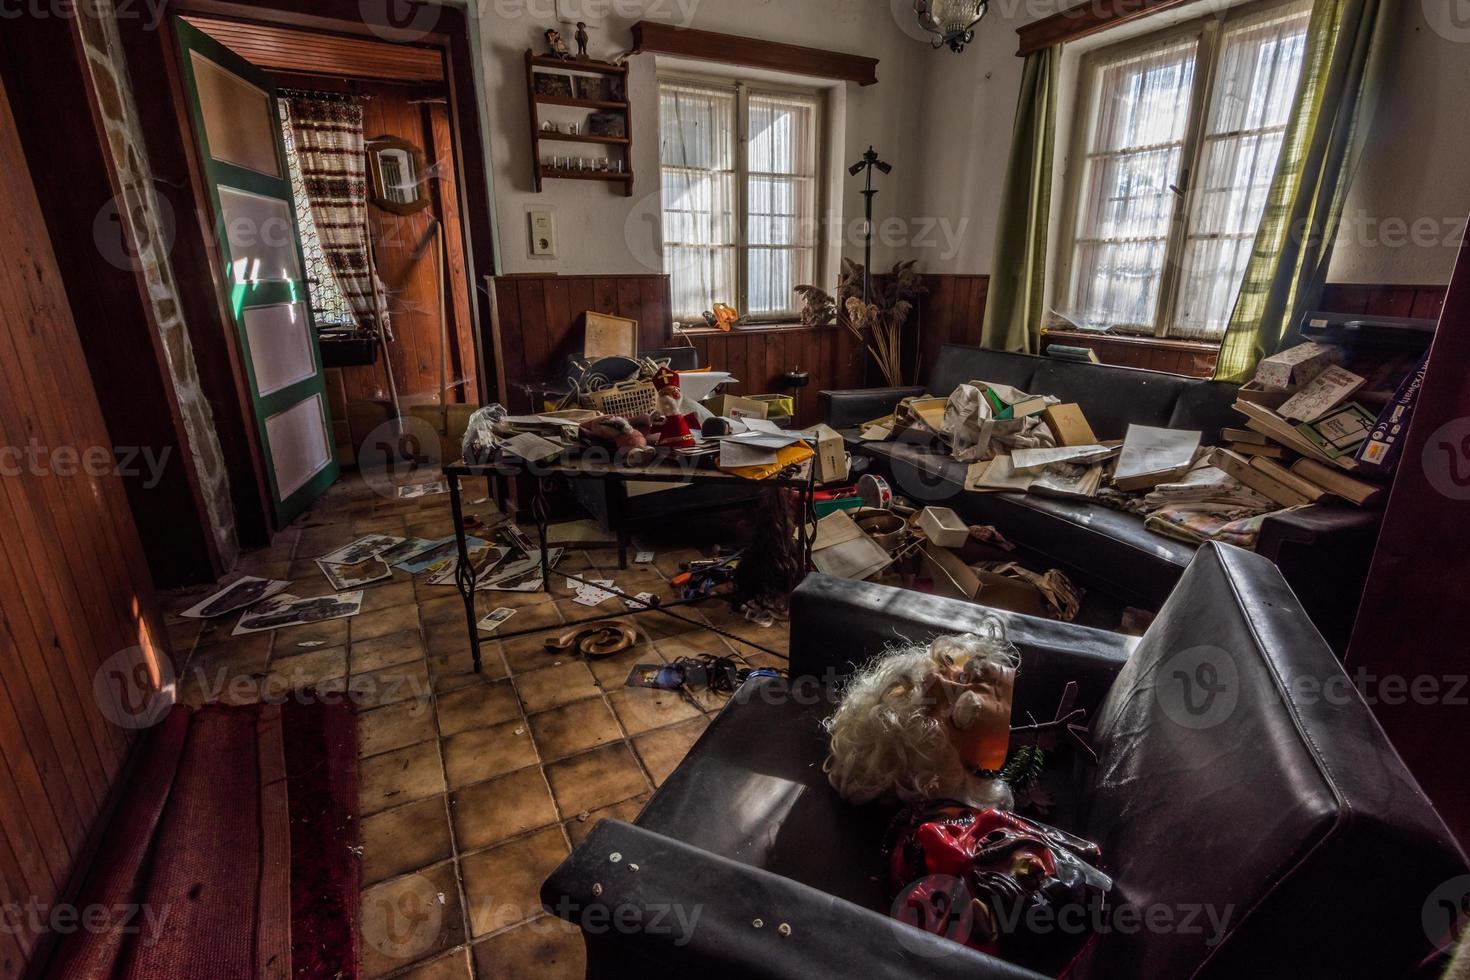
619,148
586,138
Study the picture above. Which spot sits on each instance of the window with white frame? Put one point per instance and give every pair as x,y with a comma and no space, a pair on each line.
1173,155
741,191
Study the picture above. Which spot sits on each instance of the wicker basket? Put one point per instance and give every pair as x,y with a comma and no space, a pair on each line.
628,398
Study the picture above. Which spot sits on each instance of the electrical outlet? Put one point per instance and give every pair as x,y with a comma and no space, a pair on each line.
543,233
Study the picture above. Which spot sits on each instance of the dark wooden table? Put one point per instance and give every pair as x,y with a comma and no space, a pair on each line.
663,470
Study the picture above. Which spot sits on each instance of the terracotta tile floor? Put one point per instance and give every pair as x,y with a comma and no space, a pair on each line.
472,787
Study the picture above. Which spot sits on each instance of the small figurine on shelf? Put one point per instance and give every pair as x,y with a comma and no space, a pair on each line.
582,40
557,45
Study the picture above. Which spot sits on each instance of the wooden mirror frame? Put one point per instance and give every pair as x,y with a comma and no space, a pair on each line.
376,146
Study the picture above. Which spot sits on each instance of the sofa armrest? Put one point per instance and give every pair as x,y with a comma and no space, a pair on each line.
838,624
1318,525
664,908
1324,553
844,409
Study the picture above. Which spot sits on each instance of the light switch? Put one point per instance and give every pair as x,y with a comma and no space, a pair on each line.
543,233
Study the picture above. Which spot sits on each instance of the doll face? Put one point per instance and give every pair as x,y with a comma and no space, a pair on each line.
972,696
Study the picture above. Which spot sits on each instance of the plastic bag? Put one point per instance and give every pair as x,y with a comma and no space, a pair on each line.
479,435
976,435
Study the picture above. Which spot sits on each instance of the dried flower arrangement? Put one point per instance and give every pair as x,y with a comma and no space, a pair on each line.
877,325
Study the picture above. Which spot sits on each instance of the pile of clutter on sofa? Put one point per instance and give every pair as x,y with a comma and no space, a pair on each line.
1307,437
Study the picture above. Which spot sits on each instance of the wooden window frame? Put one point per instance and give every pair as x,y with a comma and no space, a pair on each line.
743,90
1209,30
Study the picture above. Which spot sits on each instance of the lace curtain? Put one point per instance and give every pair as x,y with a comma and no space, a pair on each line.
699,201
324,146
781,200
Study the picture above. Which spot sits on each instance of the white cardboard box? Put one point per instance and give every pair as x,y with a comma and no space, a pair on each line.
944,527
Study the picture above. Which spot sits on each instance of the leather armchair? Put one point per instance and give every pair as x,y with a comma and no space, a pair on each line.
1268,831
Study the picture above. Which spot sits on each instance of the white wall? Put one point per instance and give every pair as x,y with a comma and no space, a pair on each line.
1404,217
944,121
603,232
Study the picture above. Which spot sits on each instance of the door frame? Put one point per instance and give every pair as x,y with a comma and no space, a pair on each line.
153,61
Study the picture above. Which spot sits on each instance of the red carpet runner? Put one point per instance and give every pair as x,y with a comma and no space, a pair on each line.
231,854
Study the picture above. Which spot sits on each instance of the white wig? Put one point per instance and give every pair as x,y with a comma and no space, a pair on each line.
887,739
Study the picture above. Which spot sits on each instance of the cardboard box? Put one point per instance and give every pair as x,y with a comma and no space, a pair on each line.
1296,366
832,459
1069,425
956,580
736,407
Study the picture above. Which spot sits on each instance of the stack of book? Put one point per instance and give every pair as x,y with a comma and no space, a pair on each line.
1305,442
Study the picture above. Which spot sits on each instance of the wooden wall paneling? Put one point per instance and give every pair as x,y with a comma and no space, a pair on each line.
512,347
535,333
1411,623
74,586
109,303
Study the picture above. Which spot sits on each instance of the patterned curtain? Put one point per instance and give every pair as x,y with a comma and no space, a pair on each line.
1293,249
326,133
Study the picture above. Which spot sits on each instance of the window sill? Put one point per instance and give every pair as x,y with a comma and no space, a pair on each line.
792,327
1192,358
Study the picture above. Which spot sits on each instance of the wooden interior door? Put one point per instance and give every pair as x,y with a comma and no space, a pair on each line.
238,129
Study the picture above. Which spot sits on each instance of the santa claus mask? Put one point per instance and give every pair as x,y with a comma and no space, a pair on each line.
995,881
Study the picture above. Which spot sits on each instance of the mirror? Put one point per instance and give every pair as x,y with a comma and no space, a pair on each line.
396,175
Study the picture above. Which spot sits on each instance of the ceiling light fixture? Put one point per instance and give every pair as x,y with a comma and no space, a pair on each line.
950,22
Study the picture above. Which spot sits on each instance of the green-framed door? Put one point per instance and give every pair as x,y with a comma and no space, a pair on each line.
238,130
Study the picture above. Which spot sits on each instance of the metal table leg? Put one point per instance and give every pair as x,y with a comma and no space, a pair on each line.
464,572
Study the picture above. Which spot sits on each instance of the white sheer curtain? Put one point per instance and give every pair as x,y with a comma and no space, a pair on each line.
1134,154
1259,65
781,200
699,200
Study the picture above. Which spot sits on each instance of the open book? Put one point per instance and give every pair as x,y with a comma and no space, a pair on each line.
1069,480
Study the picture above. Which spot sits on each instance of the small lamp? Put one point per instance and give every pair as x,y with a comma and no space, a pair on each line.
950,22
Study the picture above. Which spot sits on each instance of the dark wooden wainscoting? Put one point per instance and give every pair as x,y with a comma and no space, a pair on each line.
1426,302
761,357
74,585
540,323
951,313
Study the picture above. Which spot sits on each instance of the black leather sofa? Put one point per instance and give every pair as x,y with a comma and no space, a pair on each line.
1280,809
1324,551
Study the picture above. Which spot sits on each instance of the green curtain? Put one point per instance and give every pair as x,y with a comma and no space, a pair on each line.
1288,266
1014,307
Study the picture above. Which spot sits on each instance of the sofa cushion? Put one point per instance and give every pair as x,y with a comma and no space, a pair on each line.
1207,406
1112,398
1320,849
957,364
776,809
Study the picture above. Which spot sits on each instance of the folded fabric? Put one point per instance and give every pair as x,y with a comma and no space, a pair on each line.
1240,528
1212,489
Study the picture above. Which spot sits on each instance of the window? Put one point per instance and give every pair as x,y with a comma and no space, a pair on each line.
741,190
1173,158
329,307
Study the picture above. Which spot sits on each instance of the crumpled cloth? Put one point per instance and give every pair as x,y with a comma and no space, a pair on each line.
975,434
1063,596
